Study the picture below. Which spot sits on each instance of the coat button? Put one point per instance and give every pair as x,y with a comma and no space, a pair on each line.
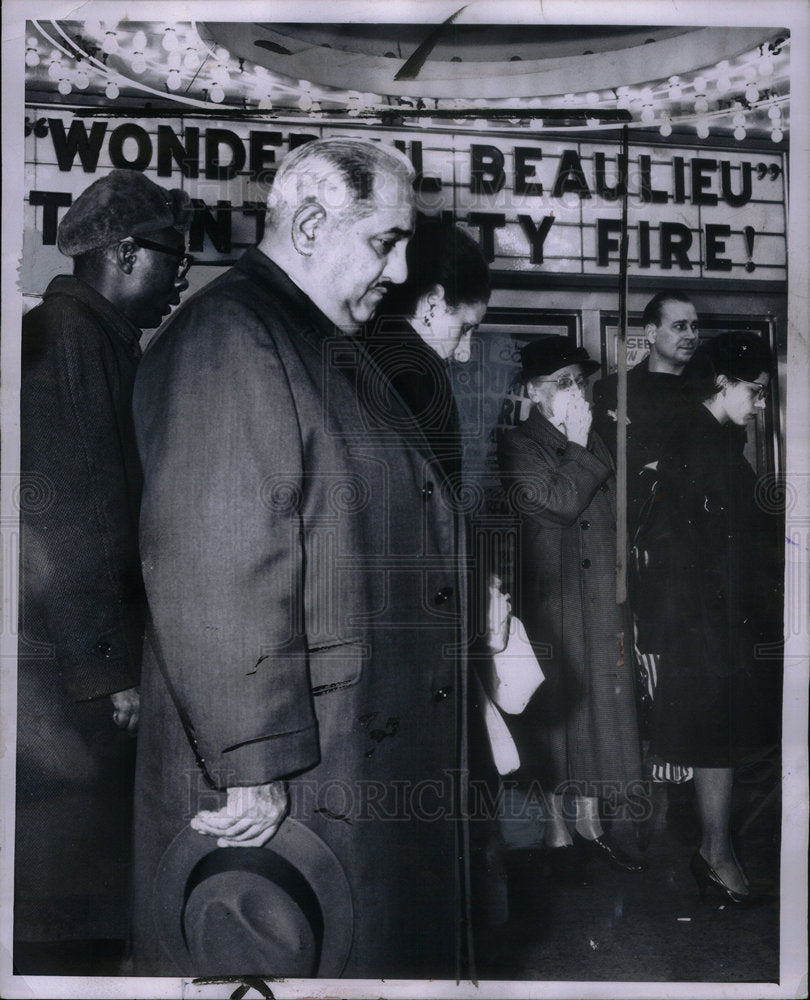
585,525
586,563
103,649
427,491
443,595
603,488
561,451
442,693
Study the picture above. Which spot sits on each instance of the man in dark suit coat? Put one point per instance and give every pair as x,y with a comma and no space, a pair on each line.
303,577
82,606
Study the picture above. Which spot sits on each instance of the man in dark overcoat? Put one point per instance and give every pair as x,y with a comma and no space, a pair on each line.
304,579
82,605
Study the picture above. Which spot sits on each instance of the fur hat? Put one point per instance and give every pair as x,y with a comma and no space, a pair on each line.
284,909
547,355
120,204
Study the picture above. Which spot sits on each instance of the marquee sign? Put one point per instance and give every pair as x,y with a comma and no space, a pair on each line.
535,205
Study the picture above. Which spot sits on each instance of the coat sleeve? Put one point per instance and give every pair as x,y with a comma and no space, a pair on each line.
552,488
604,399
221,541
79,559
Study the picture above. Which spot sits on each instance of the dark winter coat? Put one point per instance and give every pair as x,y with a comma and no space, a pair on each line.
564,497
81,615
719,676
306,604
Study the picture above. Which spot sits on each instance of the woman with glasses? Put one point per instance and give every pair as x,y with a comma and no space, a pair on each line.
560,481
719,551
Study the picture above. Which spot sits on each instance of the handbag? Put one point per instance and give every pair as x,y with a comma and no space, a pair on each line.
515,673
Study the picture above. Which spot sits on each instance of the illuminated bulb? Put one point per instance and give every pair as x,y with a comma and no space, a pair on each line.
265,104
703,130
665,129
739,134
776,135
64,87
31,54
592,97
647,95
738,120
723,84
675,92
55,66
750,73
219,75
174,60
173,80
169,39
139,41
353,107
112,90
701,105
82,80
191,60
305,101
110,43
569,99
774,112
216,93
766,65
139,63
700,85
648,115
223,55
95,29
751,93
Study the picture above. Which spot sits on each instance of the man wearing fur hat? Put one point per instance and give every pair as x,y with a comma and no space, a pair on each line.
81,597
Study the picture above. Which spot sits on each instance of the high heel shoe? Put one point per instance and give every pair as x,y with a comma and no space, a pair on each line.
606,850
709,883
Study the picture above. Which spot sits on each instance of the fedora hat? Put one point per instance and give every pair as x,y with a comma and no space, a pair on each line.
284,909
547,355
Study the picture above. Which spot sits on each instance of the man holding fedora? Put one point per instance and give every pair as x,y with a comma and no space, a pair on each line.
82,605
300,795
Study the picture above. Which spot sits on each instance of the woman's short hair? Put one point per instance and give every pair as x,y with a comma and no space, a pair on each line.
742,355
440,253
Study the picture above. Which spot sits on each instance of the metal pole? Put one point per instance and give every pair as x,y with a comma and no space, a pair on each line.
621,407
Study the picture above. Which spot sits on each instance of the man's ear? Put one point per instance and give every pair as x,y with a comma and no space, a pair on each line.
305,224
125,256
650,330
435,295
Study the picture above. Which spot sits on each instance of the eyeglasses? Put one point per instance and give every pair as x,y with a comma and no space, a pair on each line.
184,260
761,391
565,381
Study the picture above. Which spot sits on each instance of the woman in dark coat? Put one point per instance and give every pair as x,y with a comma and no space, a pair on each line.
560,482
718,696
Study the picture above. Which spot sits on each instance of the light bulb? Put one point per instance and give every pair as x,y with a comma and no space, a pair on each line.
64,87
110,43
216,93
112,90
675,92
174,60
223,55
191,60
169,39
305,101
723,84
139,41
750,73
739,134
665,129
738,120
55,66
701,105
592,97
353,107
648,115
766,66
82,80
751,93
31,57
265,104
173,80
776,135
700,85
703,130
647,95
774,112
139,63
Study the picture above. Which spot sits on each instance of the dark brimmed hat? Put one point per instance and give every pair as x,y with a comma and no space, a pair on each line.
547,355
284,909
120,204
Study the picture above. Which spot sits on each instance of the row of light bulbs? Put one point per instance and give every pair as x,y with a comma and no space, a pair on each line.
186,53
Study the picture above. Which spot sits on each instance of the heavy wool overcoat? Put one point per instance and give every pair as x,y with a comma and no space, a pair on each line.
82,611
564,497
306,594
